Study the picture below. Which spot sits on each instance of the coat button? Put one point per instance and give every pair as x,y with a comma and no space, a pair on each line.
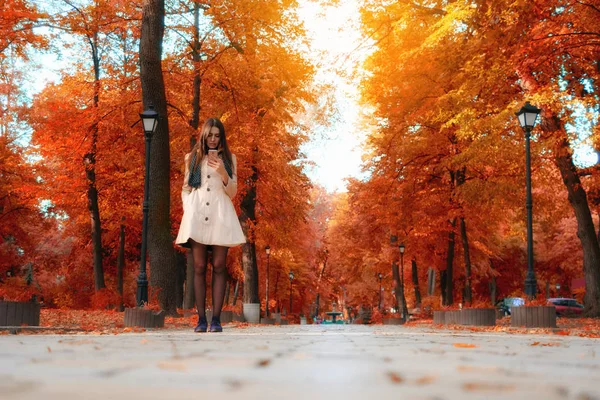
208,189
208,176
207,203
206,219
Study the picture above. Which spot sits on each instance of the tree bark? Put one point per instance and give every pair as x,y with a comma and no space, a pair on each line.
160,247
443,285
189,299
227,290
89,162
465,243
195,121
492,285
235,292
585,225
121,263
415,280
247,219
181,261
449,298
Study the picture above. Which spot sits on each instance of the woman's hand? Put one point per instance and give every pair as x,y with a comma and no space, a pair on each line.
217,165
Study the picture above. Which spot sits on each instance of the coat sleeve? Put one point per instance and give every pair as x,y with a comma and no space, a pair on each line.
231,187
186,189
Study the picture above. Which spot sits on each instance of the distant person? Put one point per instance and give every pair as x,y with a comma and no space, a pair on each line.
210,223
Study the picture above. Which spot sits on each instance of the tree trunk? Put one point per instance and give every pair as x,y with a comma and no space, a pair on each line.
189,299
276,294
415,280
449,298
465,243
121,263
235,292
160,243
585,225
89,162
250,267
443,285
248,218
189,296
227,290
195,121
181,261
492,285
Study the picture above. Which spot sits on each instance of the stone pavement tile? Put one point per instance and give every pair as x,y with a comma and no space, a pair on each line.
300,362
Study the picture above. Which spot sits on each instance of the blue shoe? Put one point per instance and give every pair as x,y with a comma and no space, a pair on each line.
202,325
215,325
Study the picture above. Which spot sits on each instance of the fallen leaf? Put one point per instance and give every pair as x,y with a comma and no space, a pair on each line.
425,380
49,349
263,363
395,378
487,386
465,345
172,366
534,343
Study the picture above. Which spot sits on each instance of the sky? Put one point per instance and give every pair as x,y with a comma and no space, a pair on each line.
336,150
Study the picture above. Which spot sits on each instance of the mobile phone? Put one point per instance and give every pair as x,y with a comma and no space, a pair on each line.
212,153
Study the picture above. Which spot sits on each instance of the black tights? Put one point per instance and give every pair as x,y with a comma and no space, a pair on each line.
219,256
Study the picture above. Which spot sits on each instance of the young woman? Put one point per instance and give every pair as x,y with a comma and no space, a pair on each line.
209,221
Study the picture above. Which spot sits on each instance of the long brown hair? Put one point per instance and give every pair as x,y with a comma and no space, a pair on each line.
201,146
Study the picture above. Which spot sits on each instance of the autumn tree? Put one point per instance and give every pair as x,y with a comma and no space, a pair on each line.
468,108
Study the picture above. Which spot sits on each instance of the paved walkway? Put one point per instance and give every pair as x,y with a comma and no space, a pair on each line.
300,362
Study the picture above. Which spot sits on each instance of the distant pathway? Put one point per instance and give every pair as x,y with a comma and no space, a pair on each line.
300,362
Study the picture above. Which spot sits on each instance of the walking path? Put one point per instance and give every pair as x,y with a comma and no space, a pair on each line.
300,362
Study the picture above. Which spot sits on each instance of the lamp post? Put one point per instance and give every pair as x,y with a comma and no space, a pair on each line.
404,308
291,279
268,251
379,276
557,289
527,116
150,121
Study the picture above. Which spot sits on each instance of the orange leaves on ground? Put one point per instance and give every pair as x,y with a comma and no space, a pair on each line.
465,345
263,363
487,386
549,344
395,377
88,320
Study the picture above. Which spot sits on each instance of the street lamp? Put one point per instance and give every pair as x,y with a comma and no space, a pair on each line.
380,276
557,288
291,279
268,251
150,121
528,116
404,308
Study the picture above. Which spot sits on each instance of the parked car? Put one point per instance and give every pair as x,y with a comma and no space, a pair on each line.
505,305
565,307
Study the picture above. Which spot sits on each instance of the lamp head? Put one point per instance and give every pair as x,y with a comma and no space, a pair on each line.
528,116
149,120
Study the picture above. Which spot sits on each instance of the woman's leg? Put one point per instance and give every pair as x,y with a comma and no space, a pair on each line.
219,258
200,256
